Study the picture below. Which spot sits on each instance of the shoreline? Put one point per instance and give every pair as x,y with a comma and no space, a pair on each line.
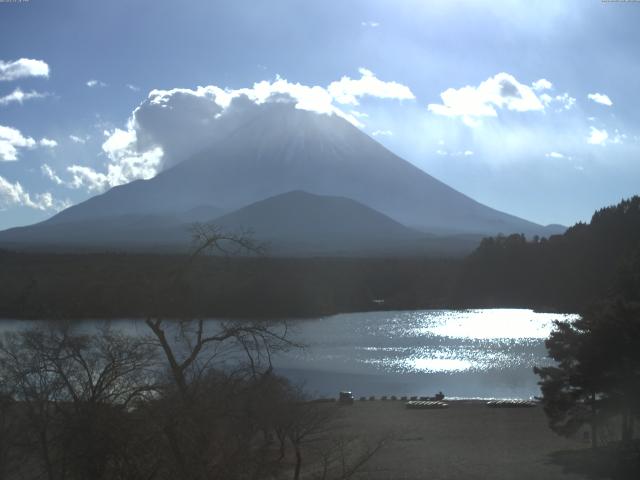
448,400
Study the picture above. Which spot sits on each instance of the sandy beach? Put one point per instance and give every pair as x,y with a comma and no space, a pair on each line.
468,440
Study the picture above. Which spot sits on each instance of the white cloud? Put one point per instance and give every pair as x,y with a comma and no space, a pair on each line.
134,166
546,99
24,67
133,87
602,137
118,140
19,96
314,98
95,83
600,98
76,139
124,168
125,164
370,24
47,142
563,101
50,173
81,177
566,101
358,114
88,178
467,153
13,194
501,91
597,137
11,139
618,137
382,133
554,155
347,90
542,84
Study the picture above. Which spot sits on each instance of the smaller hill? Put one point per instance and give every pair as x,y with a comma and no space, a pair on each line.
298,222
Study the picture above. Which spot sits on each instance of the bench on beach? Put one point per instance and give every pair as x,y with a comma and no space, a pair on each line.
510,404
425,405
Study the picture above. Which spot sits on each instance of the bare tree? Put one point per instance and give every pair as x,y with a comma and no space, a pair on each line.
76,391
197,344
215,368
11,453
308,421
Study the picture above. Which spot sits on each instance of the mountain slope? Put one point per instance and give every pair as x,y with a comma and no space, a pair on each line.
293,223
281,149
131,230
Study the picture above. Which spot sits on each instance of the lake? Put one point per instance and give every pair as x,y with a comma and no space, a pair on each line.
486,353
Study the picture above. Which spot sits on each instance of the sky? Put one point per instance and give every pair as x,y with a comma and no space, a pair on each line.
528,107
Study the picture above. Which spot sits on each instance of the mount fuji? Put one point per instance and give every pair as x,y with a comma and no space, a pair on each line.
316,159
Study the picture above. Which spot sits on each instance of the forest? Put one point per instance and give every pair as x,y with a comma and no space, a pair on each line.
566,272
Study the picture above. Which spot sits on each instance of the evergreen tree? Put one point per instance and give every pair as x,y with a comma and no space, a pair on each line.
597,375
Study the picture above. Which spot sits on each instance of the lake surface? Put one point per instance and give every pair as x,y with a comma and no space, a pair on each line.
486,353
464,353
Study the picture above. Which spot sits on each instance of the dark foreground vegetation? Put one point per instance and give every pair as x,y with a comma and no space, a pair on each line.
179,403
595,383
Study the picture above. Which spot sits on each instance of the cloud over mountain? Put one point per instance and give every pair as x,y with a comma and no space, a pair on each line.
170,125
346,91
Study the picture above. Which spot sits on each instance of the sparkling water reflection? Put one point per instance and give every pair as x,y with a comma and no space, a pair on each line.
472,353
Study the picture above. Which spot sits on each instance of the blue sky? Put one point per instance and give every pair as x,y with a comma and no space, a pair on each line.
528,107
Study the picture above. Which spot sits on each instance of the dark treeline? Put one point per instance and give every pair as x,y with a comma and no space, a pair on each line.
567,272
40,285
564,272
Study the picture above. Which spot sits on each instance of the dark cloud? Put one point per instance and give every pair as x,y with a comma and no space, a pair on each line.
508,89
